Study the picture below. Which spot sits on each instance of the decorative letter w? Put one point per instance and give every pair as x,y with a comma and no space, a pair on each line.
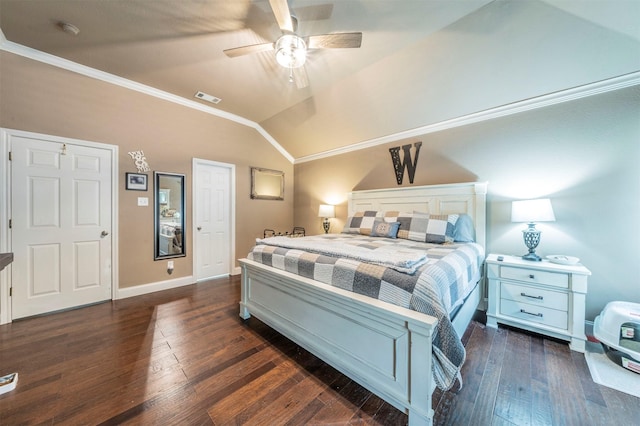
399,166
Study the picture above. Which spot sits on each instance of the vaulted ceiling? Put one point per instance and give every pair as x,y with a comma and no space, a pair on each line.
421,61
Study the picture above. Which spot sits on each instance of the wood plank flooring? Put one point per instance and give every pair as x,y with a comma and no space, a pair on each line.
184,357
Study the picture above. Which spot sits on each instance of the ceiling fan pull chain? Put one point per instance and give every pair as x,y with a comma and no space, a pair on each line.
290,75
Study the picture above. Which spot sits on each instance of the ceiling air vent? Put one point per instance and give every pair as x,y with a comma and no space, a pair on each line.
208,98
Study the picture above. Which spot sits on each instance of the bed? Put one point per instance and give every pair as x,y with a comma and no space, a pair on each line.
386,347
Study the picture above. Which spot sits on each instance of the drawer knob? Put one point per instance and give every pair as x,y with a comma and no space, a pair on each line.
532,297
531,276
530,313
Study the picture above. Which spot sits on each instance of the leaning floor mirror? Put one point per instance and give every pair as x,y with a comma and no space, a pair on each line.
169,214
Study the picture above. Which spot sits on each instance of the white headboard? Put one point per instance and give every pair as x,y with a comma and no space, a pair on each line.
469,198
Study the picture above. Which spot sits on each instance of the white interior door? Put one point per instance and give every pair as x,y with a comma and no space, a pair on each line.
61,224
213,220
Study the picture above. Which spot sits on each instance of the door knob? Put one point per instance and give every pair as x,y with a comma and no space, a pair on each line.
104,234
199,228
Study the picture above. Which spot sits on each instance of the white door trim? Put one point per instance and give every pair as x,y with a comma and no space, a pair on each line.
5,208
232,212
5,275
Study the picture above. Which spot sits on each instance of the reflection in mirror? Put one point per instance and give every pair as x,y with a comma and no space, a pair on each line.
267,184
169,213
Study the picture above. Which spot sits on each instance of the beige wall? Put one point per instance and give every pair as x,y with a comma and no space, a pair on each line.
40,98
583,154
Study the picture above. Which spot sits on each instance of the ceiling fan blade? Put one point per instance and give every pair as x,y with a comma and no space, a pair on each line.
335,41
283,14
314,13
300,77
246,50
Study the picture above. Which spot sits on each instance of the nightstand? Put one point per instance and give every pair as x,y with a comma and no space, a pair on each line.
542,297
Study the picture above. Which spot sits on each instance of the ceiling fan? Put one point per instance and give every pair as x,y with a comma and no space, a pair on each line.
291,49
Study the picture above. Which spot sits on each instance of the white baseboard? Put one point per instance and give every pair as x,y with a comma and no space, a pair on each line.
139,290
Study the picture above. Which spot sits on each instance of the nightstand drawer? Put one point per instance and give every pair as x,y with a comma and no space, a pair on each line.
532,313
535,296
534,276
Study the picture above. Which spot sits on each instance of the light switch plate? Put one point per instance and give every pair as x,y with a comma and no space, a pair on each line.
143,201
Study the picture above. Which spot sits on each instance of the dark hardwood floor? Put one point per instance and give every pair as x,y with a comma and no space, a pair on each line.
184,357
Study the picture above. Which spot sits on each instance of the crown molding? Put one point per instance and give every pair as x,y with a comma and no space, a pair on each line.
591,89
46,58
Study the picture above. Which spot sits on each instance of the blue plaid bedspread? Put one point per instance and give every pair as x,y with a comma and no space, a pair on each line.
378,251
436,288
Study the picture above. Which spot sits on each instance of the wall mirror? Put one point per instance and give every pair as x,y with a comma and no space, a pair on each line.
267,184
169,214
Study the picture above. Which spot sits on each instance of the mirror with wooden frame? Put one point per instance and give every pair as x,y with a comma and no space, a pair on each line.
169,215
267,184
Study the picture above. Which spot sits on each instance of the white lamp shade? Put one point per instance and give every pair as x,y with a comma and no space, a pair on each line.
326,210
532,211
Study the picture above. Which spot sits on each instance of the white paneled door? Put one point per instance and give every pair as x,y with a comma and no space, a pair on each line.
213,218
61,225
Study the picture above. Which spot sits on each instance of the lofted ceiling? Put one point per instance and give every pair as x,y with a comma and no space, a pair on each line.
421,61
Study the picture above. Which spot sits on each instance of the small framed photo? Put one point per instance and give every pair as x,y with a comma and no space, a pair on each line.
137,181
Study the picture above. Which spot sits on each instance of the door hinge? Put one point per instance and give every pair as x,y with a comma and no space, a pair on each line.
9,155
10,291
10,223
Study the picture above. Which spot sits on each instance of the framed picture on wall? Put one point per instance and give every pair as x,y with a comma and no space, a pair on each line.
137,181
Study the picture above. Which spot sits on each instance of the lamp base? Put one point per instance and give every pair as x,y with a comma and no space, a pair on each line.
325,225
531,240
532,256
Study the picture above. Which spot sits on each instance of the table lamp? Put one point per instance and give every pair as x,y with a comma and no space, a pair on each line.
532,211
326,211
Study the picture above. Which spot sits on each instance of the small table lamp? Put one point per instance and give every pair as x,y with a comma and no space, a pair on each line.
326,211
532,211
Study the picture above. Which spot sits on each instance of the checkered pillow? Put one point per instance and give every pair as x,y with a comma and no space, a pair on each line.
391,216
428,228
360,223
441,228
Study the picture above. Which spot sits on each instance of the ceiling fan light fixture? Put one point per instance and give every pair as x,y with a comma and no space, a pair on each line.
291,51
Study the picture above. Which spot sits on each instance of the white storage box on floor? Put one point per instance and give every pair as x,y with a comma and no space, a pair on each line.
618,329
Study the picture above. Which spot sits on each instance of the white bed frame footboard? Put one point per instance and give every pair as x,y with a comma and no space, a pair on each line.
385,348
